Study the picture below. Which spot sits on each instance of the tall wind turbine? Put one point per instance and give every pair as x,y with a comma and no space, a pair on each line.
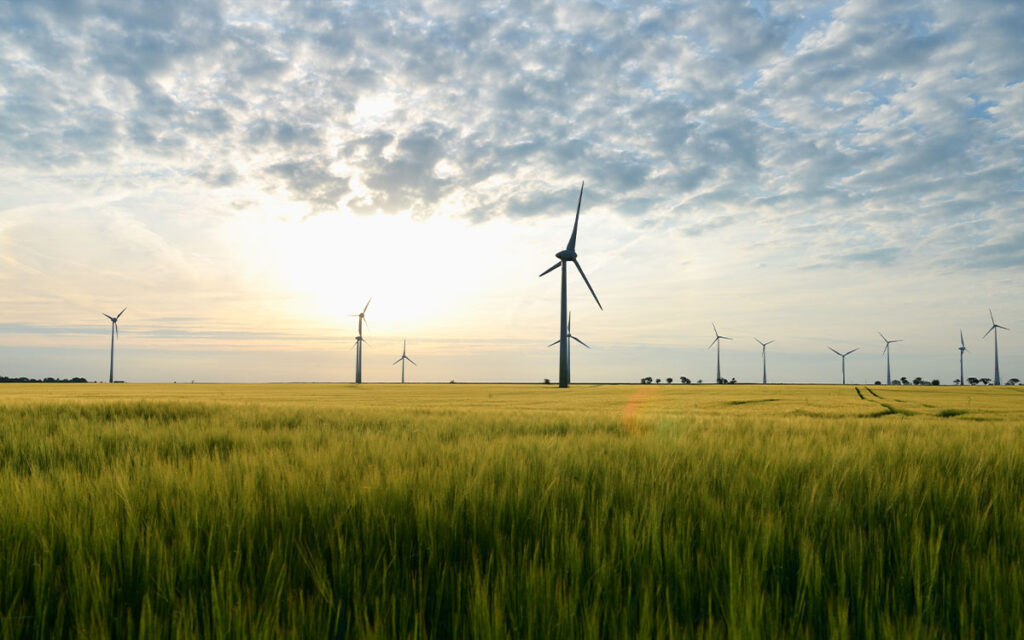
843,356
962,348
402,360
764,359
568,334
113,332
718,356
995,327
565,256
360,341
888,375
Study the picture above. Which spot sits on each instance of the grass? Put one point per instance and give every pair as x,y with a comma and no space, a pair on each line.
494,511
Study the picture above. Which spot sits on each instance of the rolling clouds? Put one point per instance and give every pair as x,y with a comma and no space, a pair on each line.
862,133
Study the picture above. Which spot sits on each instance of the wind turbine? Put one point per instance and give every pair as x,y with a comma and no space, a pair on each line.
568,334
360,341
888,375
962,348
113,332
718,356
402,360
565,256
764,359
843,356
995,327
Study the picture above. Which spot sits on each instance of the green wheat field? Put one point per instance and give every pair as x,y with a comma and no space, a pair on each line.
480,511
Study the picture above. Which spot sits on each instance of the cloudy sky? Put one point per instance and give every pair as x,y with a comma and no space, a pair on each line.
244,175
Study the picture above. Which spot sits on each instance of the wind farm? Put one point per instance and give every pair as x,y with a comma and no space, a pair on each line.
815,177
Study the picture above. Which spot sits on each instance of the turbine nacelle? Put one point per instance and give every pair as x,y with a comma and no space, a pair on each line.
566,255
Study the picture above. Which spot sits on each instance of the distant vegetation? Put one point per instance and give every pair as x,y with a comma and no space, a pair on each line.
6,379
510,511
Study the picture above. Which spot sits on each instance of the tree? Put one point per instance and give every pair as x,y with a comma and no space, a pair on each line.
957,381
1013,381
918,381
985,381
700,381
547,380
936,382
972,381
668,380
878,382
904,380
684,380
658,381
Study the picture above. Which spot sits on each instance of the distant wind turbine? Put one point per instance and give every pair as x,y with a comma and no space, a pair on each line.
113,332
962,348
360,341
843,356
402,360
568,334
565,256
764,359
995,328
888,375
718,355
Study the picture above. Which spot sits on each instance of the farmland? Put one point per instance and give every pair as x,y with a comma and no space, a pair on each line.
504,510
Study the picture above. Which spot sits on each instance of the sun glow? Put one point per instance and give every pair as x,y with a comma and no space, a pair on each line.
416,271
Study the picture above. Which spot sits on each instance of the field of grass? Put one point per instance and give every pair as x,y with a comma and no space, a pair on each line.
481,511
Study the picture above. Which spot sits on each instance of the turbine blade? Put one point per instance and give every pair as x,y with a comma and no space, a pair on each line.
962,338
555,342
725,337
580,269
835,352
413,363
883,337
367,305
769,342
109,317
575,225
396,362
759,342
713,342
999,326
557,264
991,316
580,341
122,311
715,328
117,332
850,351
990,330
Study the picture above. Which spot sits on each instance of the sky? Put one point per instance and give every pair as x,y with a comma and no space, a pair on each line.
244,176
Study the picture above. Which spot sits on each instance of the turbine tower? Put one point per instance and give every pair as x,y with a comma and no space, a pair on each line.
888,375
114,332
402,360
565,256
718,356
764,359
843,356
568,334
962,348
360,341
995,328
